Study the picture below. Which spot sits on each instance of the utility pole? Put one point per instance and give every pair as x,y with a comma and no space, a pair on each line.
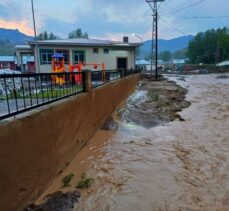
152,47
154,32
34,23
36,53
156,52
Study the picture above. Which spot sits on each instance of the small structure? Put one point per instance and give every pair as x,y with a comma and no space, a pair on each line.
28,64
24,58
143,65
178,65
7,62
146,65
179,61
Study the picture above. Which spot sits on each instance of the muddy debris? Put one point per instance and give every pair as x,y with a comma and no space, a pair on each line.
223,77
181,79
155,103
57,202
150,77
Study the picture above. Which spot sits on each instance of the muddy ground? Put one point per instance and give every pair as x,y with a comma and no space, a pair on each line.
159,164
156,103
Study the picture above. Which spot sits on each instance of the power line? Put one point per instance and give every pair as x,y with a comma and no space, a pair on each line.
186,7
159,6
196,23
206,17
174,27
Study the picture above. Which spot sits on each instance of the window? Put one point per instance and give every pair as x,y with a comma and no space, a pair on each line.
95,50
5,64
65,53
106,51
78,56
46,56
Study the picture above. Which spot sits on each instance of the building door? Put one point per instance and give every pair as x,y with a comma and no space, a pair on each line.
122,63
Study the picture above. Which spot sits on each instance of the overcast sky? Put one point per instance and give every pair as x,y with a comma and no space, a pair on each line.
111,19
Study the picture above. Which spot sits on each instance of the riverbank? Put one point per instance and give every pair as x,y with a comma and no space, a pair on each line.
177,165
154,103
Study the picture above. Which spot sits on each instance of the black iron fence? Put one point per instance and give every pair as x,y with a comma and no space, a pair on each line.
100,78
23,92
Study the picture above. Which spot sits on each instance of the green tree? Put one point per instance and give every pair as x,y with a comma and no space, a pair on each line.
46,36
165,56
209,47
78,34
86,35
147,57
180,54
52,36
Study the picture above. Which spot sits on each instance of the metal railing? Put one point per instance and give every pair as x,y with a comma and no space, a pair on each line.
24,92
99,78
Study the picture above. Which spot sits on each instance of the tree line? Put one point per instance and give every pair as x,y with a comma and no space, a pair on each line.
166,56
72,35
209,47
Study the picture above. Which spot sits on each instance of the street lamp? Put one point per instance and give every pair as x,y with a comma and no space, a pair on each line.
135,35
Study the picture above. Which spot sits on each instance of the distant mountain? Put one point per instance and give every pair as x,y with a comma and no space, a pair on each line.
14,36
6,48
167,45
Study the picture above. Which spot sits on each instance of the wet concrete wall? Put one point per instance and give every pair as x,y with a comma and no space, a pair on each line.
35,148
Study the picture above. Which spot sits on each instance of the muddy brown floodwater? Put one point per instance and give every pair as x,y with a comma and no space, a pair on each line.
176,165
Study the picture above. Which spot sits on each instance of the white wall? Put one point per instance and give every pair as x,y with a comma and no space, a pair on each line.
110,59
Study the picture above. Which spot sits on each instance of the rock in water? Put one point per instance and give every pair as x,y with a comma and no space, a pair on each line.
57,202
110,124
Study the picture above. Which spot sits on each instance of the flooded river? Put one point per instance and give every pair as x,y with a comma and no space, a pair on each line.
178,165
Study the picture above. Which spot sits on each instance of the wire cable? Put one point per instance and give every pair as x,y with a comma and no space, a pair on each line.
206,17
159,5
174,27
172,7
187,7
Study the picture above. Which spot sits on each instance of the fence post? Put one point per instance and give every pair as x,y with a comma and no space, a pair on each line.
88,82
122,73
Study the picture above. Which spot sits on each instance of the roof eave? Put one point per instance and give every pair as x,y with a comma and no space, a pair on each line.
84,44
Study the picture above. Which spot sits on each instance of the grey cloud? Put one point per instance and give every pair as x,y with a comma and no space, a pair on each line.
10,10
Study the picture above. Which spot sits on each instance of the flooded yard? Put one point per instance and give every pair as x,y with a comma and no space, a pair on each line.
164,164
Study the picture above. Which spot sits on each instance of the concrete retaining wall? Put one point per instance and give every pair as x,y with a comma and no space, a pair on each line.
35,148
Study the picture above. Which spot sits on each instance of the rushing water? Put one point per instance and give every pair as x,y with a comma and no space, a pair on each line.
177,166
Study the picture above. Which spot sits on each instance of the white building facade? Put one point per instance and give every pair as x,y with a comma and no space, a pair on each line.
115,55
